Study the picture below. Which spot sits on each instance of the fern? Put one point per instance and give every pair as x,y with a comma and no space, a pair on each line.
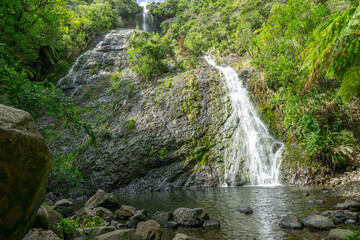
334,50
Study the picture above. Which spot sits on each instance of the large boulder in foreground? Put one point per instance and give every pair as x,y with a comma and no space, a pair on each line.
25,162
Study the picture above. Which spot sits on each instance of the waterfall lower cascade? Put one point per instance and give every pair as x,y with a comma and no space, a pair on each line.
106,58
145,20
251,142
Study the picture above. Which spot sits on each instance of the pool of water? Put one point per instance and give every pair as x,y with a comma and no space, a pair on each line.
270,205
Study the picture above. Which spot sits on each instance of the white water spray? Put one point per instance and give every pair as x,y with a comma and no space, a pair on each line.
251,141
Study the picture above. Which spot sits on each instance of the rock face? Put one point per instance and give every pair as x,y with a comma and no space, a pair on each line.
348,190
190,217
164,134
25,162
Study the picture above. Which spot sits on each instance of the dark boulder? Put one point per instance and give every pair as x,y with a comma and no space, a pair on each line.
46,219
190,217
140,216
246,210
65,207
291,222
25,162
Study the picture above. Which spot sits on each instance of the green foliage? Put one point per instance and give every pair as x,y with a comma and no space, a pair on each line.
338,53
67,227
163,153
64,173
131,124
148,54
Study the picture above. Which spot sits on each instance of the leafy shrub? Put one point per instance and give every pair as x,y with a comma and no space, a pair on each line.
148,54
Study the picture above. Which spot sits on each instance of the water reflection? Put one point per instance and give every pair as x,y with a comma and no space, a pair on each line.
270,206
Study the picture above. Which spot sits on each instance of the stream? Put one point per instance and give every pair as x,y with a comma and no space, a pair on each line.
270,205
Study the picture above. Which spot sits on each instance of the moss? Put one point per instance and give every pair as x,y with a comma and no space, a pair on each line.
131,124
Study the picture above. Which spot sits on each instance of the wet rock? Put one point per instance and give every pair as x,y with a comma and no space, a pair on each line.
40,234
246,210
336,216
339,234
165,219
211,224
25,161
350,222
103,213
181,236
94,231
140,216
351,215
125,212
319,201
103,199
291,222
115,224
65,207
126,234
348,204
190,217
149,230
46,219
311,202
319,222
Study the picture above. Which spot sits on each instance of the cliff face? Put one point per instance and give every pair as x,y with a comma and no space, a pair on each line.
158,135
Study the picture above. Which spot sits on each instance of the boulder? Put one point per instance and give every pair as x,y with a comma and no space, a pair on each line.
246,210
125,212
40,234
336,216
140,216
348,204
94,231
126,234
190,217
319,222
103,213
211,224
339,234
84,213
149,230
25,162
350,222
351,215
291,222
181,236
46,219
103,199
165,219
65,207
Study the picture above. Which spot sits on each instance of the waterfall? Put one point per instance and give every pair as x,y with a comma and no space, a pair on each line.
145,20
251,142
103,60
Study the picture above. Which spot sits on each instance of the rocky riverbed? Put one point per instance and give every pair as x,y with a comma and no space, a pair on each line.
215,213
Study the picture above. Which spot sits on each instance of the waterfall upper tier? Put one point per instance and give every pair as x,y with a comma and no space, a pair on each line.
251,141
